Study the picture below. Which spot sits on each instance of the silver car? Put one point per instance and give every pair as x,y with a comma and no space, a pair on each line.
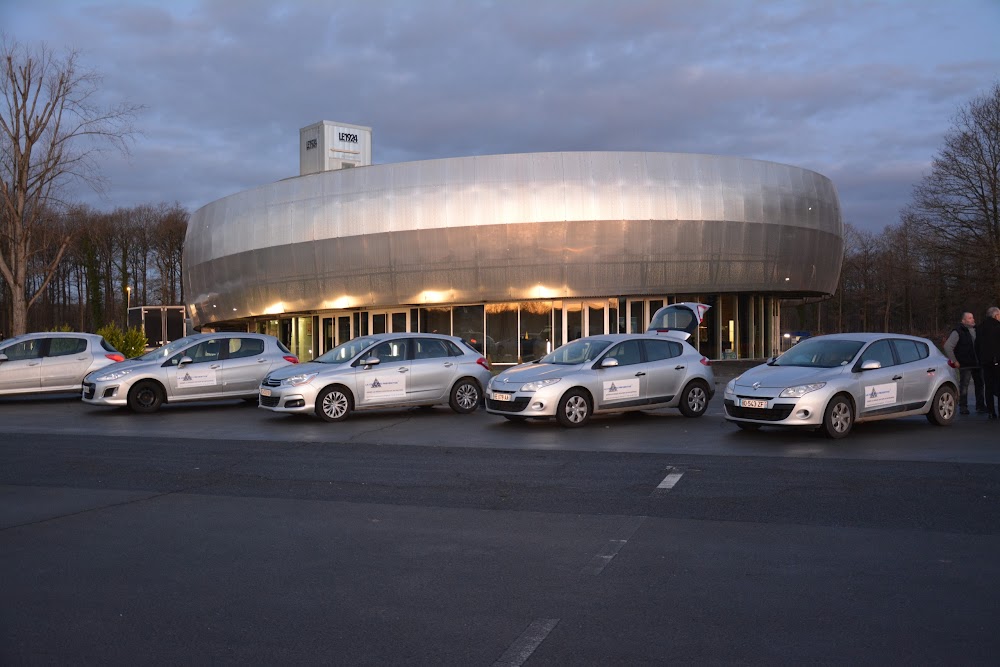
52,361
833,382
194,368
378,371
612,373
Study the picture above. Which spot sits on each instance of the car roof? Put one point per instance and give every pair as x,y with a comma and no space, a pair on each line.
865,337
52,334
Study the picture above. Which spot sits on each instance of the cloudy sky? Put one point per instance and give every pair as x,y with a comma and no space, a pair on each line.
861,91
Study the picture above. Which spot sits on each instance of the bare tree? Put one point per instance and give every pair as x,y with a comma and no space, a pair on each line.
957,205
51,132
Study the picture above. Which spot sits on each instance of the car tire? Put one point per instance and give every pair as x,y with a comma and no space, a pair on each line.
334,404
145,397
574,408
694,399
465,396
748,426
943,407
838,419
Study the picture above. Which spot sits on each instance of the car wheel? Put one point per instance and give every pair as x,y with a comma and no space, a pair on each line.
464,396
839,417
942,407
145,397
748,426
694,399
334,404
574,408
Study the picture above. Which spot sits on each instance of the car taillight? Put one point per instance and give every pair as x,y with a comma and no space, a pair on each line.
482,362
291,358
115,357
705,361
952,364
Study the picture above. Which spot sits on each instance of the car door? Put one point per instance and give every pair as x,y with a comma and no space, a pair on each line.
623,385
667,369
387,381
432,369
880,389
919,375
244,365
65,363
203,377
22,371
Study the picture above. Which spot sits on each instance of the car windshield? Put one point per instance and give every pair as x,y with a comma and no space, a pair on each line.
168,350
345,351
819,353
578,352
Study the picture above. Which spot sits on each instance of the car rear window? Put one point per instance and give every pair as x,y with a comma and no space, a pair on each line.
657,350
245,347
60,347
910,350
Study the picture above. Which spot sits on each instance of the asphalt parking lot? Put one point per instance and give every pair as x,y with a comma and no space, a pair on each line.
221,533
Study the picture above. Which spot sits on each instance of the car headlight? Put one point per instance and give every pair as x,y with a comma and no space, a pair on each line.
538,384
731,387
113,375
299,380
800,390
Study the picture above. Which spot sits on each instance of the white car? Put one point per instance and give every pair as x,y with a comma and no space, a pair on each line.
608,373
833,382
381,371
52,361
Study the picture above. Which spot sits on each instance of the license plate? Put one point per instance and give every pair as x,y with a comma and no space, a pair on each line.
264,391
752,403
503,397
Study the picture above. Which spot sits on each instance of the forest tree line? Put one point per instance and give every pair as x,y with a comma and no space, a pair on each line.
128,256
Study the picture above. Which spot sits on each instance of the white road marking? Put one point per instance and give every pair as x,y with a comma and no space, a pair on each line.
614,545
670,480
525,645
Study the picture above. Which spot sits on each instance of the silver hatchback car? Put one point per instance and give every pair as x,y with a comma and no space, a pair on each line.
833,382
52,361
611,373
379,371
194,368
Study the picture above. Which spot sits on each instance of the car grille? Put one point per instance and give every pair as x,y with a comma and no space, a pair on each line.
89,388
270,401
775,414
268,382
517,405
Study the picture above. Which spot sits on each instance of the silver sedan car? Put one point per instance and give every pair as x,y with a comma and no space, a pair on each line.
380,371
832,382
52,361
611,373
194,368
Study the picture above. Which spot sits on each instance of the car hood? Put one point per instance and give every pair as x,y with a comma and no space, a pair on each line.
786,376
518,375
288,371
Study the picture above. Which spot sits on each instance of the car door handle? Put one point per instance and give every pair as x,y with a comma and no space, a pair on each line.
640,374
678,368
403,369
932,370
262,361
897,377
34,363
215,366
448,364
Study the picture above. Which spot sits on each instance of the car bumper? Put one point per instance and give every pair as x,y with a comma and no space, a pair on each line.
805,411
524,404
291,400
105,393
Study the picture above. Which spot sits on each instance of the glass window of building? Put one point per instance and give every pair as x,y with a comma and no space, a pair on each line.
501,333
469,324
535,332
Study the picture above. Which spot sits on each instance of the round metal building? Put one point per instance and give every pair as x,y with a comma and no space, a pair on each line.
518,253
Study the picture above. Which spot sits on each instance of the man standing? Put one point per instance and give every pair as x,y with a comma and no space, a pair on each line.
960,348
988,349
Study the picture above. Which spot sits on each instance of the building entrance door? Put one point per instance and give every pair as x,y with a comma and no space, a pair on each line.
393,321
337,329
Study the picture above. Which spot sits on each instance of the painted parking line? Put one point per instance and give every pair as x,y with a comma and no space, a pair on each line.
525,645
613,546
670,480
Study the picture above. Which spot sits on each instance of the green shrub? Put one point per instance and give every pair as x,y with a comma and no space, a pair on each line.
63,327
131,342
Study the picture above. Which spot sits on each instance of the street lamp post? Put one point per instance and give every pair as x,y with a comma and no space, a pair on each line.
128,302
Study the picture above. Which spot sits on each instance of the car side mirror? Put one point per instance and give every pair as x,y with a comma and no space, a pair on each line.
770,361
610,362
871,364
184,361
3,357
371,361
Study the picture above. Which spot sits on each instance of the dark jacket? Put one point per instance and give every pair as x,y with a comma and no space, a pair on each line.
965,349
988,342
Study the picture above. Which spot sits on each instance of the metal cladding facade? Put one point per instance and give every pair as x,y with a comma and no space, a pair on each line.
513,228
